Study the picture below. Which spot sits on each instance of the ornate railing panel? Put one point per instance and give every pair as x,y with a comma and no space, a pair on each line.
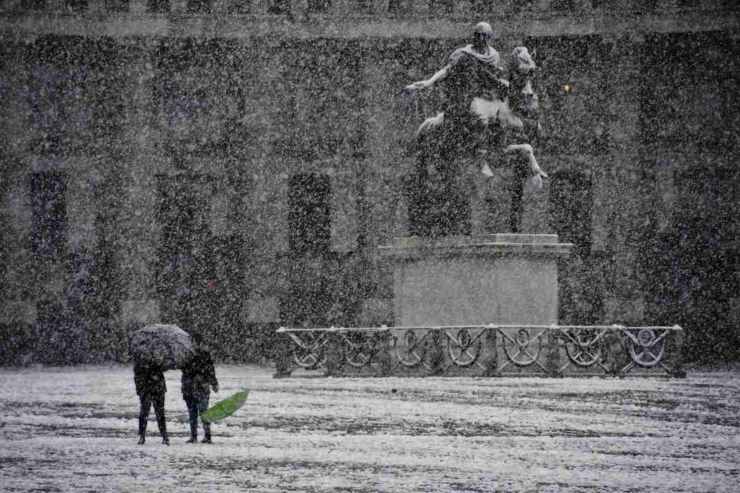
489,350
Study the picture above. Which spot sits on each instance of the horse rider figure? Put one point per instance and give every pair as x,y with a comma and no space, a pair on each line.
480,103
473,70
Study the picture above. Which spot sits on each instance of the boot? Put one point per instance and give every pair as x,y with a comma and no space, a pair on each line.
207,430
193,432
163,429
142,430
193,437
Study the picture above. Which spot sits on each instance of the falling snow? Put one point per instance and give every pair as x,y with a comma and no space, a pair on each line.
233,166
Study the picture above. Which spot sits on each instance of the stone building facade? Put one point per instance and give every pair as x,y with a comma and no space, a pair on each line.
233,165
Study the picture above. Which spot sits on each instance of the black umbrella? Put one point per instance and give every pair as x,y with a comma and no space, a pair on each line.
165,346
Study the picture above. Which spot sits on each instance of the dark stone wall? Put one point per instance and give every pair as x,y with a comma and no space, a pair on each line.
176,150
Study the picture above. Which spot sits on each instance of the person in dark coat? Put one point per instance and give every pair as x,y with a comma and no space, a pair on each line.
150,387
198,378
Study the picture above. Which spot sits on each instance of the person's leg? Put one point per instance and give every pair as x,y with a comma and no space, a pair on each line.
193,418
158,402
144,404
202,407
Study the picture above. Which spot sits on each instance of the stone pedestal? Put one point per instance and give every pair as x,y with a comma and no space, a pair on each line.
500,279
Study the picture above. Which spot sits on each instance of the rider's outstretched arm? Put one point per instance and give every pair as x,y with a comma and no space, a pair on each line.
423,84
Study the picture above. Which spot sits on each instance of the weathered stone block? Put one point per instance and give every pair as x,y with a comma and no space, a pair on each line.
501,279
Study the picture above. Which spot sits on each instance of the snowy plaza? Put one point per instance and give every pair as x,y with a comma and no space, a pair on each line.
74,429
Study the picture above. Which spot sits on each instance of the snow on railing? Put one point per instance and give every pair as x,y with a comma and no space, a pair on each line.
485,349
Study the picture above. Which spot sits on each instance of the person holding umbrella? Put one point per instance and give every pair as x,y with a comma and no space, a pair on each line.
155,349
150,387
198,378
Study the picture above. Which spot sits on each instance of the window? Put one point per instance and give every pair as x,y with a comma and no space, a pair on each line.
364,5
517,6
309,213
45,98
240,6
481,6
704,256
570,206
33,4
279,7
75,106
562,4
158,6
441,6
185,251
318,5
688,90
311,270
76,5
182,216
199,6
398,6
117,5
497,6
325,110
185,105
198,97
182,210
73,99
49,210
571,201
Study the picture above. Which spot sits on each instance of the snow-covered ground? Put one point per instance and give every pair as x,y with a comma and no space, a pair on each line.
74,429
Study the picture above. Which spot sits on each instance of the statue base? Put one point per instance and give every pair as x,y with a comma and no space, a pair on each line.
501,279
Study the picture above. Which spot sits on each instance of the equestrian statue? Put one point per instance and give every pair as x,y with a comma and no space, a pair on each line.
486,119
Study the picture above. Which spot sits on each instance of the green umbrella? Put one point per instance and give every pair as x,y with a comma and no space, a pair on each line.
225,408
